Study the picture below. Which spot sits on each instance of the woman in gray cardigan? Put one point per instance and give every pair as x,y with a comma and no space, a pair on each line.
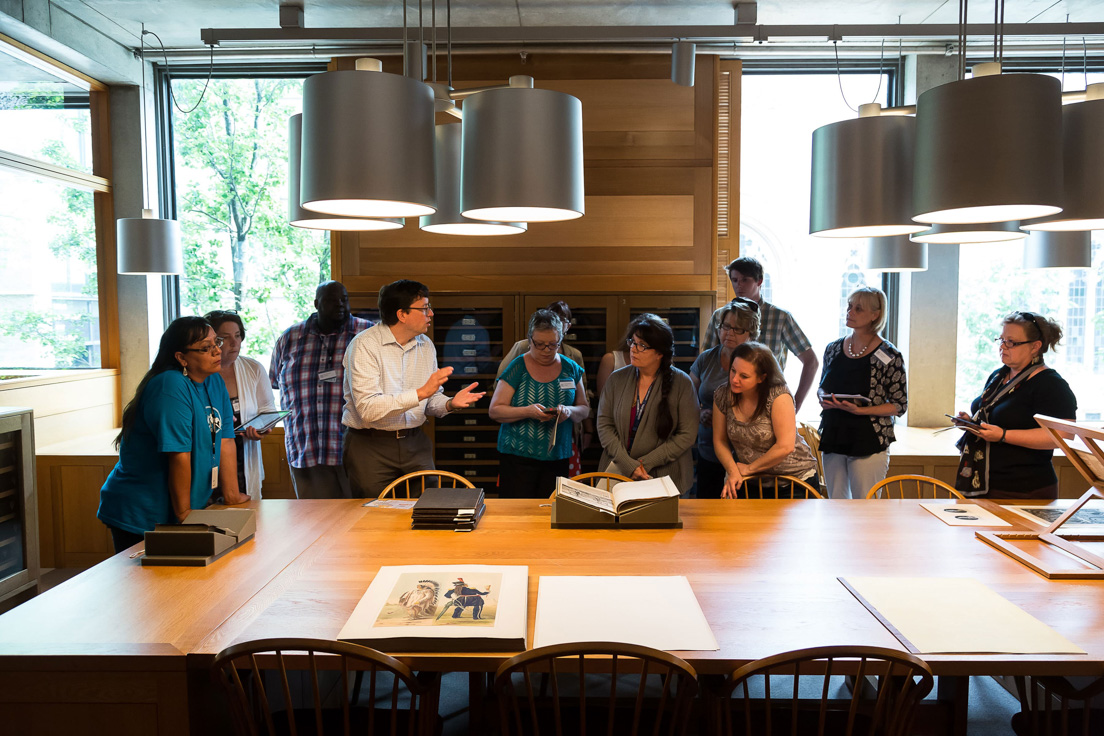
648,413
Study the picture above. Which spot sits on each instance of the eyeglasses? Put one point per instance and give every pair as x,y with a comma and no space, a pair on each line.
638,346
726,328
424,310
545,346
1006,344
206,348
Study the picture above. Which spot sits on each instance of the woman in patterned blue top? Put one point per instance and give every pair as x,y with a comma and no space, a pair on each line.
538,392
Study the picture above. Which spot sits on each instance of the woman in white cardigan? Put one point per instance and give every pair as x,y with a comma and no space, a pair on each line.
250,394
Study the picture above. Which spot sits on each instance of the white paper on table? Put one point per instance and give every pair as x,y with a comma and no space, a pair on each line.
958,616
959,513
658,612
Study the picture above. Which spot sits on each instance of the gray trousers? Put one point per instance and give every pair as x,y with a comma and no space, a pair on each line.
373,460
320,481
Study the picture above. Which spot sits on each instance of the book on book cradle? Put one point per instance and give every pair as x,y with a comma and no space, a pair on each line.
448,508
622,497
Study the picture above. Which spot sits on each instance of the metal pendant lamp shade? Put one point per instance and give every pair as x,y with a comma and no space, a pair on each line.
149,245
989,149
862,178
896,254
682,63
522,156
1068,249
300,217
367,145
974,232
447,220
1083,167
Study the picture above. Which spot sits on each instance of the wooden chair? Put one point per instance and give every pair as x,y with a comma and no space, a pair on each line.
811,435
1039,715
275,687
595,688
594,480
765,697
774,484
894,487
405,482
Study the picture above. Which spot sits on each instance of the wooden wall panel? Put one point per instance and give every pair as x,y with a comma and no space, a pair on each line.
67,404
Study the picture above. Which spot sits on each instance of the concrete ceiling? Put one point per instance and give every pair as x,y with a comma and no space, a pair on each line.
178,22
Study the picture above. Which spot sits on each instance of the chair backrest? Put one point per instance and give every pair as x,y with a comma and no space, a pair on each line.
596,688
913,486
274,686
598,480
796,688
778,486
811,435
417,480
1053,706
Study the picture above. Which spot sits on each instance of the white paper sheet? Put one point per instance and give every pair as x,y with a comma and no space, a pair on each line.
959,513
958,616
658,612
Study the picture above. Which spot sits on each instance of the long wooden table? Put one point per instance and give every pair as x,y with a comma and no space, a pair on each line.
121,636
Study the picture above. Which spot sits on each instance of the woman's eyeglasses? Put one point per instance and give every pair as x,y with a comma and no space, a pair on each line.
206,348
1007,344
424,310
638,346
737,330
545,346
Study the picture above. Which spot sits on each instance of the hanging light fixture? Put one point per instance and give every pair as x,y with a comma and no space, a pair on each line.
682,63
522,154
988,149
862,176
1064,249
983,232
1083,166
147,245
367,144
447,220
300,217
895,254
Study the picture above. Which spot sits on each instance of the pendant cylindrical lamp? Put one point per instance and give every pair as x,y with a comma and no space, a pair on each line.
974,232
367,145
862,178
682,63
1083,166
1066,249
447,220
989,149
895,254
148,245
300,217
522,156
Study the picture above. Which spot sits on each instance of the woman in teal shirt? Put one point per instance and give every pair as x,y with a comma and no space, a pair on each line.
539,391
177,438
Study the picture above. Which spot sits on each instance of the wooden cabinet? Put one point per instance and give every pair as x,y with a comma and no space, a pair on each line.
18,505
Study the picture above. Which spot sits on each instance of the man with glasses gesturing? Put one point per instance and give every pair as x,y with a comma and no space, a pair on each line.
392,383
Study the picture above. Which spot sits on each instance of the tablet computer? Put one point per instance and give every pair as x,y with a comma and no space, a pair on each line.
263,421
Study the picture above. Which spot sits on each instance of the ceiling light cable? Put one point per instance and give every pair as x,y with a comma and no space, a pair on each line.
168,76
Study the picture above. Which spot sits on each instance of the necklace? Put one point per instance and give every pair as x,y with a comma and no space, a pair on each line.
849,342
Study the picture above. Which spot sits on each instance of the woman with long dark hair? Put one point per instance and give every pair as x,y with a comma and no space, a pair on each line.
647,413
177,439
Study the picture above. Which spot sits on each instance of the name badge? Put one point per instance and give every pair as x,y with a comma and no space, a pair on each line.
327,376
567,384
214,478
881,355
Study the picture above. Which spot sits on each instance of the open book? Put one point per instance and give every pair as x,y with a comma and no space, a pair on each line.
622,497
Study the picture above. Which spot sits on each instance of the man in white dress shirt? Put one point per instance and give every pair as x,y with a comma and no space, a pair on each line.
391,384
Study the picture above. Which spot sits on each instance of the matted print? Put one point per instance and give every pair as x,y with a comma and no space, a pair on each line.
436,600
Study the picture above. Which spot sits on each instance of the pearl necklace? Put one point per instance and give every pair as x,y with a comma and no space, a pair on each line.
851,341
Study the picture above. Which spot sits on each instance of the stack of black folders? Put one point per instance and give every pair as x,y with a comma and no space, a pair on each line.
458,509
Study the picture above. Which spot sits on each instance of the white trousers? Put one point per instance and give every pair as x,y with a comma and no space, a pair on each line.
853,477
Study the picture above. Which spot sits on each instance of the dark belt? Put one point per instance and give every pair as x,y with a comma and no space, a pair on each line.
399,434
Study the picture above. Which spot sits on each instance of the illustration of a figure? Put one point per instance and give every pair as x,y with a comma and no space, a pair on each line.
422,601
462,596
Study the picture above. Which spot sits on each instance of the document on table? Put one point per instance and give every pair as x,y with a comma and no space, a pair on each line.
658,612
955,616
961,513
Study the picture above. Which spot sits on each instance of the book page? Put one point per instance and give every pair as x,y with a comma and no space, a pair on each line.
584,494
643,490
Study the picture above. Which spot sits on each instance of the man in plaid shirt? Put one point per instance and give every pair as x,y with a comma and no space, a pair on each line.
777,328
306,367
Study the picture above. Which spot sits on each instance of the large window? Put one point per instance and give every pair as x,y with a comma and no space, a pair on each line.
993,282
230,158
809,276
49,310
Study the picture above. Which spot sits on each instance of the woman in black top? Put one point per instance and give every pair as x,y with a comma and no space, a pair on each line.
1010,455
855,433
